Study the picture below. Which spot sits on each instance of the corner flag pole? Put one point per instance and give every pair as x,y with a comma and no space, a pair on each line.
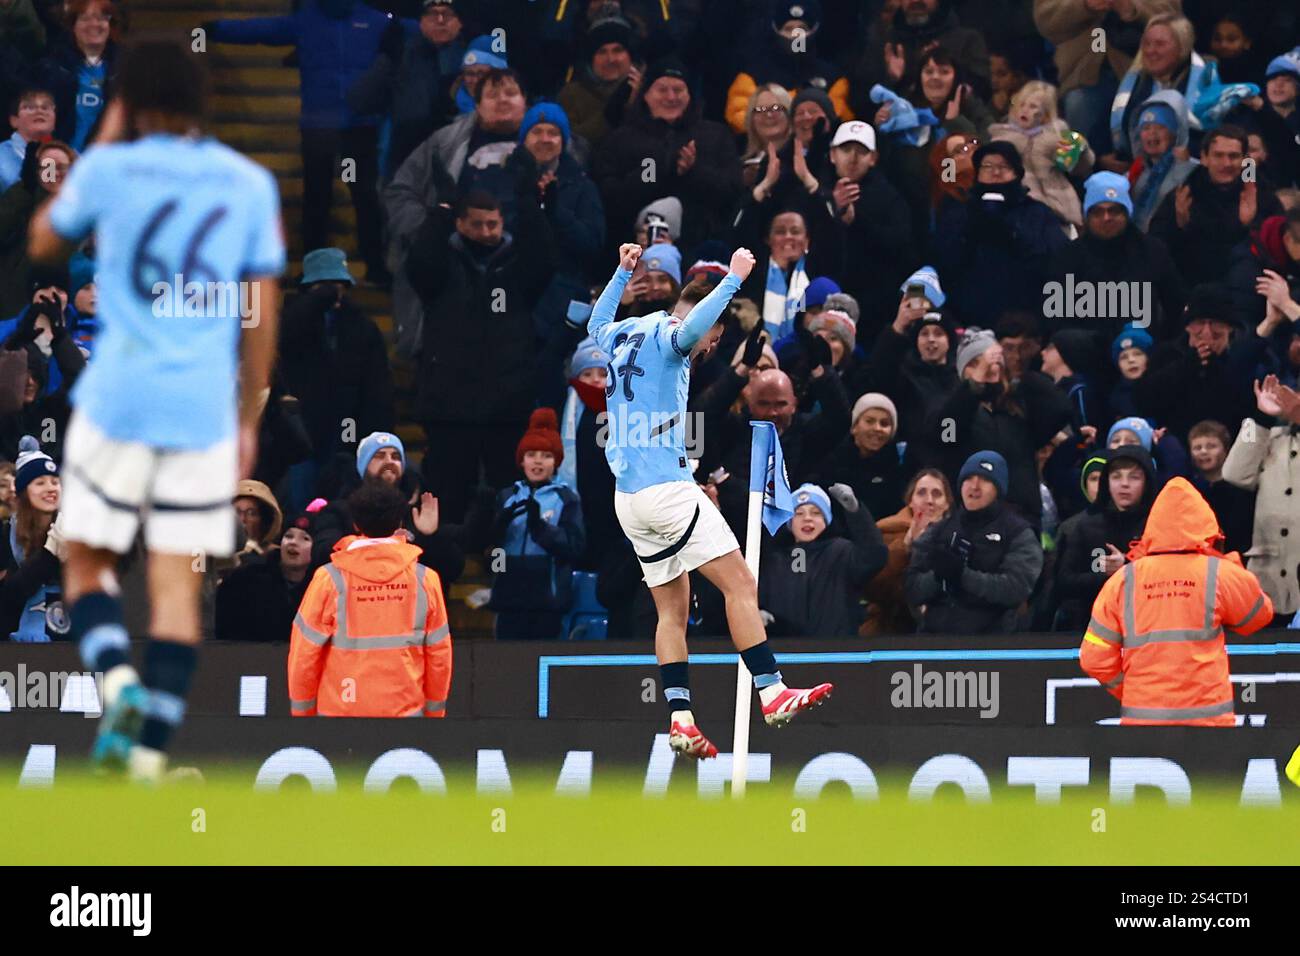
744,682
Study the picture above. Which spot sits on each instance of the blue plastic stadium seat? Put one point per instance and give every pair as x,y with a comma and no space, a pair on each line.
587,620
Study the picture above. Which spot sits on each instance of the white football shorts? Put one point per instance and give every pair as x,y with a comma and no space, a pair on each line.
674,528
182,497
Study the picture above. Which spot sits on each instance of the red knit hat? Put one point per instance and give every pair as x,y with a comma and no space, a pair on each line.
543,435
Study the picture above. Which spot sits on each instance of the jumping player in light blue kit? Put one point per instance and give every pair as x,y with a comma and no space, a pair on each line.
188,251
673,526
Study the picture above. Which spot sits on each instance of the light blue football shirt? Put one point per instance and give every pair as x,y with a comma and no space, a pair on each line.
179,222
649,381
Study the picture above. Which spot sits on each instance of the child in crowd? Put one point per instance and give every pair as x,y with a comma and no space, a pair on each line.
1052,153
813,583
1167,452
538,534
1131,353
1160,162
1233,506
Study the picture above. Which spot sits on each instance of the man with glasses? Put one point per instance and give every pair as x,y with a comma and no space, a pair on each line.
32,118
411,78
1112,250
993,249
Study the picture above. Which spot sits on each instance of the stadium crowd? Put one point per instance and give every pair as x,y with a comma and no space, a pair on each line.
1020,263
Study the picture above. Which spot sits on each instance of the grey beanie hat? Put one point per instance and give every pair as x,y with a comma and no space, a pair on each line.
845,303
973,344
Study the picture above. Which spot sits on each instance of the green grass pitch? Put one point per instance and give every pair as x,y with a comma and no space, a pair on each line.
222,820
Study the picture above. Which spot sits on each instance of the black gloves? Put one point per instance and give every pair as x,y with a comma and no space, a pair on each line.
815,347
27,331
949,559
30,175
753,346
533,510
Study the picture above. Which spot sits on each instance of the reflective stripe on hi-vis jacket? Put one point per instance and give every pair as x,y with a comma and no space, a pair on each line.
371,637
1156,638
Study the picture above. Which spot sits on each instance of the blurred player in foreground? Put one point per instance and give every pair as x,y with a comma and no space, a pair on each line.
189,247
672,525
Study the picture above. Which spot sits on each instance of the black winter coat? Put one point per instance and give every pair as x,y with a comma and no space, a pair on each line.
879,250
1178,391
708,191
918,389
998,576
1130,257
1016,438
334,361
993,256
877,480
255,602
478,350
1078,580
815,589
1203,250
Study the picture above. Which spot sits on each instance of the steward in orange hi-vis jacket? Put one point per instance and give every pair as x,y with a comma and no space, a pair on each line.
1156,638
371,638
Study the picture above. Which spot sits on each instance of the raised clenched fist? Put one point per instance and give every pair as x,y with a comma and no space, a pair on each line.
742,263
629,253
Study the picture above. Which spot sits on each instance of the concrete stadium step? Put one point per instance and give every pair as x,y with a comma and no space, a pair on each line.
282,164
268,108
252,137
255,80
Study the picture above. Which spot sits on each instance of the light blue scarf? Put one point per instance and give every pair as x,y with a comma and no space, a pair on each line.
782,299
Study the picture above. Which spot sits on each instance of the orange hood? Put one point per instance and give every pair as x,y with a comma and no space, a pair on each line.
1180,520
373,559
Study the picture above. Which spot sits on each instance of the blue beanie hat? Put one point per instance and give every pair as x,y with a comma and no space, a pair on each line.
81,273
1160,113
818,290
480,53
810,494
1138,426
928,277
663,257
1288,62
1106,187
546,112
32,463
1131,338
370,446
587,355
990,465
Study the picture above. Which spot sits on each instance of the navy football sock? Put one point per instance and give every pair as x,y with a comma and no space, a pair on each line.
168,667
762,664
677,686
96,625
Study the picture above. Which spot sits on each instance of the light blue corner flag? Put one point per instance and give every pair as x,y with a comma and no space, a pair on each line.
767,476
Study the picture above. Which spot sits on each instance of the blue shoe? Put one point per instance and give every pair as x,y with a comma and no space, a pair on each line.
119,729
